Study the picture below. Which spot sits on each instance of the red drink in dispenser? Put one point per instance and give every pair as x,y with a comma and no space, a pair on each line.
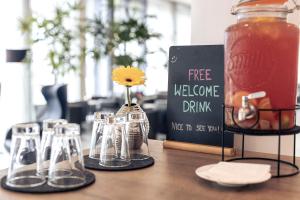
261,54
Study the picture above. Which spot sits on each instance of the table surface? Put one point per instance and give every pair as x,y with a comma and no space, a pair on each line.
172,177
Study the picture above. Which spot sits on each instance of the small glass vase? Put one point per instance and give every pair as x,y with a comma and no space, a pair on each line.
135,138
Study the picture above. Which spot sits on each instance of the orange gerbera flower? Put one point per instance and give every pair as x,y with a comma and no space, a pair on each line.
128,76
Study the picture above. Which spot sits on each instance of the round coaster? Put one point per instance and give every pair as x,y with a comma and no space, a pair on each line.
45,188
90,163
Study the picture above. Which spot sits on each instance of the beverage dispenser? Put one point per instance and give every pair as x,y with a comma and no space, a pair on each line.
261,63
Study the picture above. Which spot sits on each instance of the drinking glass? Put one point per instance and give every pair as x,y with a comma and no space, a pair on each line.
114,146
97,133
136,128
66,162
25,157
47,138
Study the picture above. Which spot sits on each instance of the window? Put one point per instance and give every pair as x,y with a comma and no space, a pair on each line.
173,22
41,71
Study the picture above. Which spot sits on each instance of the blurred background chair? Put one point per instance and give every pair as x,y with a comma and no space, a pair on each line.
56,102
7,142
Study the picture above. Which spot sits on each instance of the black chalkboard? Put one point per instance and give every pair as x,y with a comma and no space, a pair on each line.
196,95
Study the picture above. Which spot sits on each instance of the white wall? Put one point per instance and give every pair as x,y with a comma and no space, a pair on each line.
209,20
12,75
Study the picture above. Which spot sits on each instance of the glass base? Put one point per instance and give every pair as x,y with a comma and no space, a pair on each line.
95,157
114,163
139,157
62,173
25,181
67,181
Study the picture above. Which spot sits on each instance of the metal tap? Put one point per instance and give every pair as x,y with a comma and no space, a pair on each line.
248,111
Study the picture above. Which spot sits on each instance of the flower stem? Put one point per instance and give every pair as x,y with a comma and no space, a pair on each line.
128,96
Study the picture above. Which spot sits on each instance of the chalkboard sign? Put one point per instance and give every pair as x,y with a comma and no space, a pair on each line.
196,94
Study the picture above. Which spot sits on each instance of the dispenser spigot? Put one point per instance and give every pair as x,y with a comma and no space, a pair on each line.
248,111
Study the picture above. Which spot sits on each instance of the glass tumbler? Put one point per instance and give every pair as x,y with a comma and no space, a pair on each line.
97,133
47,138
136,125
25,157
114,146
66,162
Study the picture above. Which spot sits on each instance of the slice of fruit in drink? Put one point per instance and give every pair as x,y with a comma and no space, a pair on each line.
229,99
286,122
264,124
265,27
237,99
264,19
228,117
265,103
275,124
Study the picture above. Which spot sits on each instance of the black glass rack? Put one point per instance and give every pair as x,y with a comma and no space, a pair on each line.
232,126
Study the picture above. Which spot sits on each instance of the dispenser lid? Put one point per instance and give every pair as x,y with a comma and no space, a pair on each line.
260,2
282,5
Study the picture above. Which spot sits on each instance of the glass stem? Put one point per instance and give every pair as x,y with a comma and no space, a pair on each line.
128,96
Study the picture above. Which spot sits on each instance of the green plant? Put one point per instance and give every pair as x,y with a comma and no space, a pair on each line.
127,31
98,31
65,50
61,39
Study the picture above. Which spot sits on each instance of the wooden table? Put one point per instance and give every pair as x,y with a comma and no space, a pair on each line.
172,177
